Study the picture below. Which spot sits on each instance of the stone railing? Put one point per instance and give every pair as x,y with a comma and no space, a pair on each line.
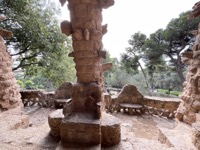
37,97
163,107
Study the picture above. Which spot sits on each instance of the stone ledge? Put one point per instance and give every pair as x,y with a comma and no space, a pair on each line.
54,120
80,128
110,130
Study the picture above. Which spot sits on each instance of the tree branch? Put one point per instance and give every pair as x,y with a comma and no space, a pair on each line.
21,62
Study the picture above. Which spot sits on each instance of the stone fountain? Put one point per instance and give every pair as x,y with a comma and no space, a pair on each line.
83,121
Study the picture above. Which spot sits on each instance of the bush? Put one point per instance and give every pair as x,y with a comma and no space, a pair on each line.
174,93
20,83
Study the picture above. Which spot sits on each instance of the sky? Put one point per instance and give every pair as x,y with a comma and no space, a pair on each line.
127,17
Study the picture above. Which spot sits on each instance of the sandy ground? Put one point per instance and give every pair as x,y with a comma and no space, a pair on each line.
143,132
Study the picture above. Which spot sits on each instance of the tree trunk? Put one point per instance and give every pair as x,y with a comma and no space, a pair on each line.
145,77
178,65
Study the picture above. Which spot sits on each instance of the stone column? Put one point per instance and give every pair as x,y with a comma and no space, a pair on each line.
87,32
9,90
189,109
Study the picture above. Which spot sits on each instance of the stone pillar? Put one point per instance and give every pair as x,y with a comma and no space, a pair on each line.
189,108
82,125
87,32
9,91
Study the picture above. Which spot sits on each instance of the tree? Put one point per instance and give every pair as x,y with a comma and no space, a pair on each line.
152,49
38,45
169,43
131,59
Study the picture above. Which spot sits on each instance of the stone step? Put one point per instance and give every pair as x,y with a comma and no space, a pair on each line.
179,137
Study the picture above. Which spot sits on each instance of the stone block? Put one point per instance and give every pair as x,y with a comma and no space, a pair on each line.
90,24
54,120
90,2
81,10
106,3
78,35
189,118
88,77
88,68
85,97
196,134
80,128
110,130
98,46
88,54
64,91
83,45
73,2
84,61
94,13
66,27
96,35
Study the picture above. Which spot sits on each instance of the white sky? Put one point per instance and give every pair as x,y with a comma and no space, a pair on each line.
127,17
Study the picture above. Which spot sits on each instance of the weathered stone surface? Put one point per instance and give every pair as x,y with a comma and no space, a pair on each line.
104,29
196,134
23,122
170,104
80,128
9,90
54,120
130,94
64,91
196,11
66,27
190,105
6,33
106,3
83,45
86,101
107,66
110,130
82,125
31,97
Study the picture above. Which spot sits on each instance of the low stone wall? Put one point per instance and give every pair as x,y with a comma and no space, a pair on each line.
161,106
37,97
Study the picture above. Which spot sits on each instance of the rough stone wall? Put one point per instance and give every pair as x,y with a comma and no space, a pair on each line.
64,91
87,32
189,109
9,90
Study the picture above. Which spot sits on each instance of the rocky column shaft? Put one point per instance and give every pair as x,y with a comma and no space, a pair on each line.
87,32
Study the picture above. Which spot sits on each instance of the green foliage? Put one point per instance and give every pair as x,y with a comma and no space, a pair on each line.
131,58
21,84
120,77
161,53
167,92
39,47
28,84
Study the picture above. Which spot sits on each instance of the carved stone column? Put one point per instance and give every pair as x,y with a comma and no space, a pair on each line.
9,91
87,32
83,123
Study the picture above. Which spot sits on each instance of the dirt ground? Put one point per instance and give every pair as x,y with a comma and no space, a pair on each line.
143,132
